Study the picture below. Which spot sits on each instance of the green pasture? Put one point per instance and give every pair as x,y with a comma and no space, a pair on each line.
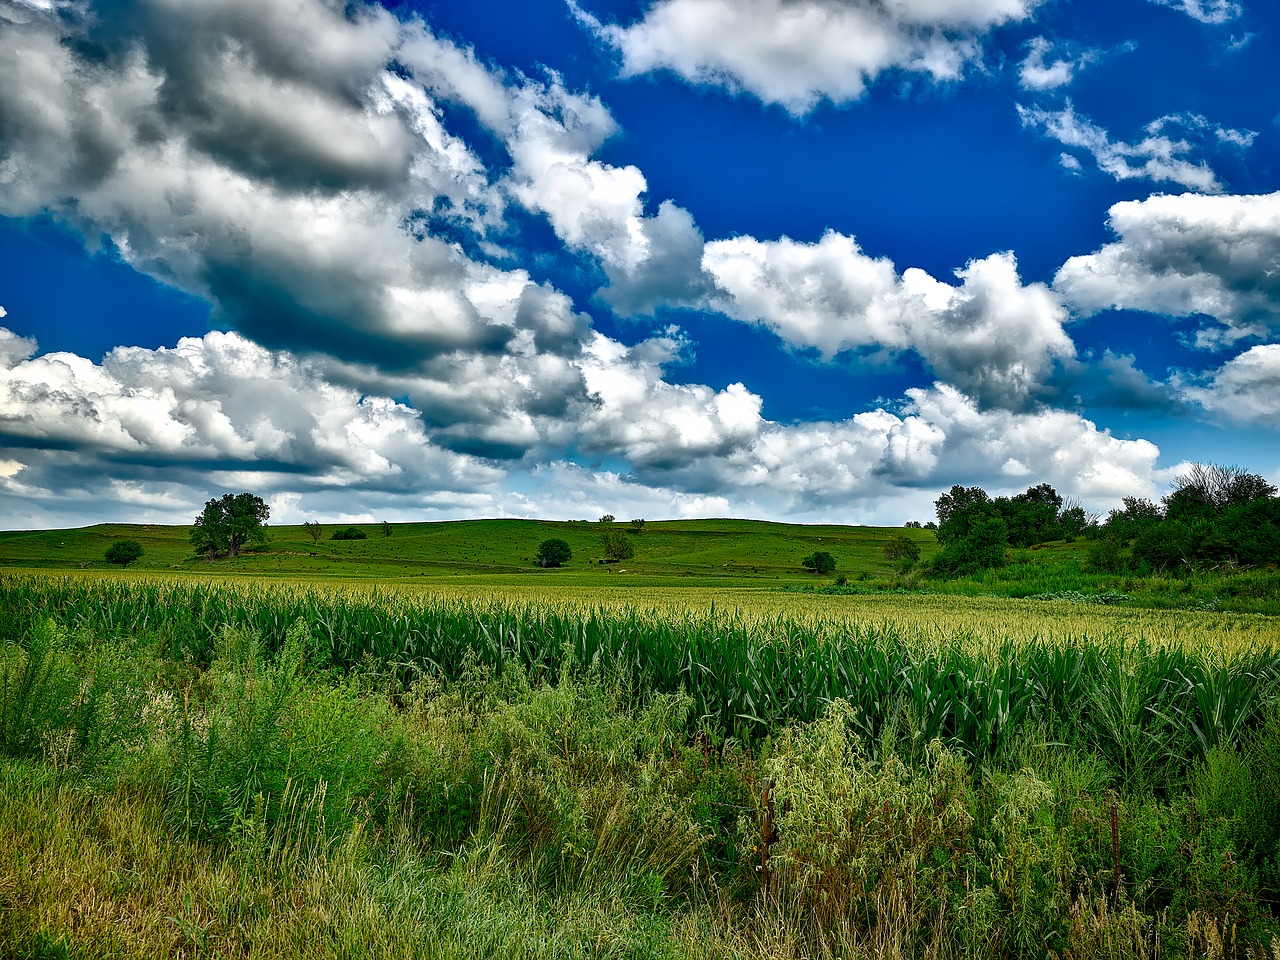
715,550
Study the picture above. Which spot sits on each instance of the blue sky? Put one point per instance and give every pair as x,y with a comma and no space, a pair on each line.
790,259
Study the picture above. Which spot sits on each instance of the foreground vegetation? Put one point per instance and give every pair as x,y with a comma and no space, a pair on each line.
210,770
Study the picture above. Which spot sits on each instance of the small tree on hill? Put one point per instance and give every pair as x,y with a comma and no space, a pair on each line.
553,553
637,525
902,552
820,562
229,522
123,552
607,518
386,528
312,528
616,546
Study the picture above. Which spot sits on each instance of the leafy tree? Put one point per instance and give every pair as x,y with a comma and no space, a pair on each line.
1167,545
553,553
607,518
1249,533
313,530
637,525
616,546
1206,490
123,552
912,524
1074,521
1137,515
228,523
820,562
1031,517
959,509
902,551
983,548
349,533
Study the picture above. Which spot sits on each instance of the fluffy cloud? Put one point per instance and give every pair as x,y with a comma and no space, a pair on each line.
798,52
1187,255
1245,389
1161,155
268,169
219,401
991,335
1037,72
551,134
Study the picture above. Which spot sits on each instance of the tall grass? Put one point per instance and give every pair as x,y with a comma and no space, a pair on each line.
524,782
1142,707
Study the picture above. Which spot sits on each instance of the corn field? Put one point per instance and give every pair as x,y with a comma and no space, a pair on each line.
1142,705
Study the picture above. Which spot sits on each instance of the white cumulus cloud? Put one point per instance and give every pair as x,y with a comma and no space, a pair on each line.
991,335
1245,389
798,52
1187,255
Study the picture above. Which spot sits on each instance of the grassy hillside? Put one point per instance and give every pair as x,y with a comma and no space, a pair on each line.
717,550
704,555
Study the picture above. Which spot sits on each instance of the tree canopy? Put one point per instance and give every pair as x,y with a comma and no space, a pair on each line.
616,546
553,553
228,523
123,552
820,562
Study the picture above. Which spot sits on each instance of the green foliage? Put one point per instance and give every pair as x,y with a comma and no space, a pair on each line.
616,545
228,523
1031,517
902,552
124,552
73,707
872,843
1105,556
349,533
959,510
981,548
820,562
553,553
313,530
527,781
637,525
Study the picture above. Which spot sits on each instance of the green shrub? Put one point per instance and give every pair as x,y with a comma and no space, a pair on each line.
553,553
1105,556
123,552
348,533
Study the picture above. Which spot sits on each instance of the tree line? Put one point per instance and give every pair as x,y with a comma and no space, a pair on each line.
1213,514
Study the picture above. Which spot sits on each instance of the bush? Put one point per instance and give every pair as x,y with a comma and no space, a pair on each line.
820,562
902,551
123,552
616,546
349,533
553,553
982,549
1105,556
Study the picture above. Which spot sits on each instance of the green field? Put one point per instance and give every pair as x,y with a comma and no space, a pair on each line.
720,551
426,745
739,561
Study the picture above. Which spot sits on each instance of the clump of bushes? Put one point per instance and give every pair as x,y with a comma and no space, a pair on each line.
349,533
